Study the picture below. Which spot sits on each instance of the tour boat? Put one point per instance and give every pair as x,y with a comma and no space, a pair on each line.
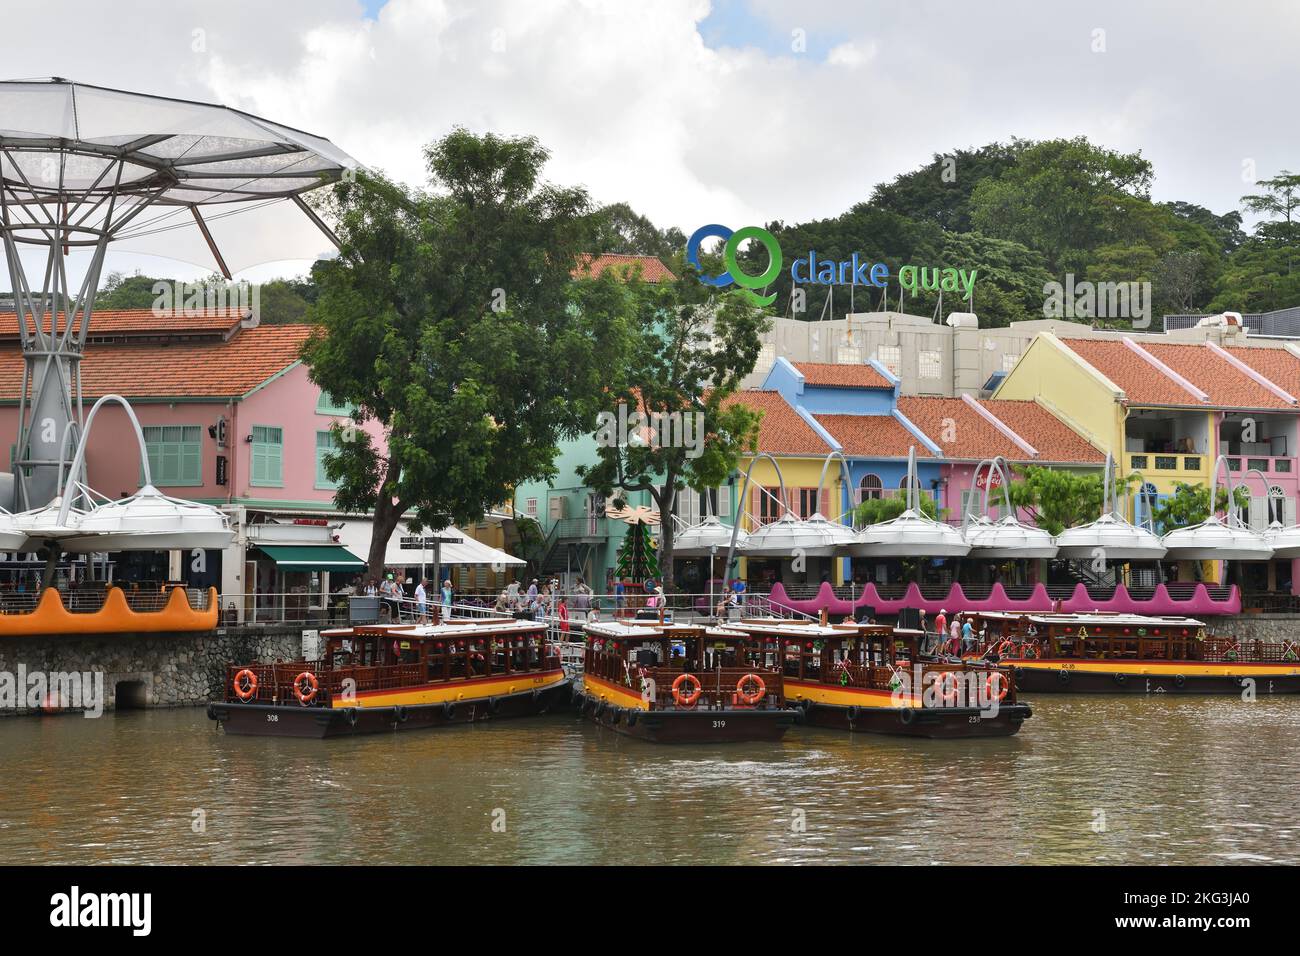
872,678
681,683
1135,654
378,678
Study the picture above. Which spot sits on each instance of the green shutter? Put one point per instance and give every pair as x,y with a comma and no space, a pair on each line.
175,454
268,456
325,444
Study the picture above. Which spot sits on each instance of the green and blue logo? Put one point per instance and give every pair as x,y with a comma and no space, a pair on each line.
810,269
734,273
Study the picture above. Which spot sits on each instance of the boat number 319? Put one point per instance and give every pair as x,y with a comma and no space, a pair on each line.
718,724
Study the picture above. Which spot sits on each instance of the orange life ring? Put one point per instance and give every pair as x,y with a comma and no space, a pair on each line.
686,700
943,686
1002,682
249,692
1006,648
564,618
308,678
757,695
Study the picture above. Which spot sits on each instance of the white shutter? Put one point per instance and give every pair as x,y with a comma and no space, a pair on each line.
1258,513
1288,510
724,502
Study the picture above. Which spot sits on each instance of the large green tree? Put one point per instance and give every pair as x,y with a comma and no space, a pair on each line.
450,318
689,349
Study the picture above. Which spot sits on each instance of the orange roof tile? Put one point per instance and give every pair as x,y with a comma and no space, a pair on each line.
1226,385
782,430
1143,384
140,322
872,436
222,369
652,270
842,376
1054,440
959,430
1279,366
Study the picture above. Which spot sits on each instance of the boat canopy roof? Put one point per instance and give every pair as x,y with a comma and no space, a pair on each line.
443,629
1133,620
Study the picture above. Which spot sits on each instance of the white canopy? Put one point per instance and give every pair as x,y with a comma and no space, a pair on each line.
1117,539
699,540
788,535
355,535
150,521
1008,538
1217,540
1285,541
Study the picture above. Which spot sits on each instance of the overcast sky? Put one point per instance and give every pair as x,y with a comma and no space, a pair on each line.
736,111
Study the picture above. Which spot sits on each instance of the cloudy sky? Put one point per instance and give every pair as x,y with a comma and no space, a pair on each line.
732,111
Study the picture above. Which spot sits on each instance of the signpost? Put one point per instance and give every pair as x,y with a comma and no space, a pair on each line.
423,543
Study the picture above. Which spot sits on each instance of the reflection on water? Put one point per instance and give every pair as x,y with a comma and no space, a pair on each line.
1186,780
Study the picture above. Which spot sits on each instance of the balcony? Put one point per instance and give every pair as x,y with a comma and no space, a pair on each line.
1269,465
1180,465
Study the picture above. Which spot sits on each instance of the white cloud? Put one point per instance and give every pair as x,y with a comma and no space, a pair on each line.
634,105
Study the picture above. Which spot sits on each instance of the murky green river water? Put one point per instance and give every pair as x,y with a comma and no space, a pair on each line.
1101,780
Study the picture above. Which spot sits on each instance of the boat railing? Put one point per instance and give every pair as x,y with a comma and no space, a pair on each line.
717,686
1229,649
90,599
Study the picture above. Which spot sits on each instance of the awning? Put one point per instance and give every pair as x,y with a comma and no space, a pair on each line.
313,557
355,534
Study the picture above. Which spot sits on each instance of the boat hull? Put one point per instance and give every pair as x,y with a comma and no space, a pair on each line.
622,711
875,712
280,720
1190,677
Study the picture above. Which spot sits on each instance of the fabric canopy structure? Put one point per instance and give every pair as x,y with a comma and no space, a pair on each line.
312,557
356,532
707,537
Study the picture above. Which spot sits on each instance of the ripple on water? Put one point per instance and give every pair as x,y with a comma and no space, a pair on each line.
1090,780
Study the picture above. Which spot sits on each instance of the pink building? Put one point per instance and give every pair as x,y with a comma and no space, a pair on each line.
231,419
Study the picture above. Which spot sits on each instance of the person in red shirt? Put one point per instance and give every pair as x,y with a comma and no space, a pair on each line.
941,627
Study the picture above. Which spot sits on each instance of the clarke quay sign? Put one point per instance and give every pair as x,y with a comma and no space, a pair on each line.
810,270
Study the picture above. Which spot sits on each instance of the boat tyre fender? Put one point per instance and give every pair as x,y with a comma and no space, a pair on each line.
807,705
907,716
1063,676
854,712
537,694
599,709
400,714
1120,678
448,709
350,714
1180,680
632,716
615,715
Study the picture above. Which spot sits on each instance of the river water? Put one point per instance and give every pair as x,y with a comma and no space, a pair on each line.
1098,780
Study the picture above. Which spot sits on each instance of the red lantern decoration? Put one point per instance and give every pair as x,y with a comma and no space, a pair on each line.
1126,630
1184,632
1157,631
809,645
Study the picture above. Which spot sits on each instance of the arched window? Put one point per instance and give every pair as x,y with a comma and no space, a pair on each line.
869,488
1276,505
1145,506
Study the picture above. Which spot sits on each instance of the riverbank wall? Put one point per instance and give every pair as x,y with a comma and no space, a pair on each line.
148,670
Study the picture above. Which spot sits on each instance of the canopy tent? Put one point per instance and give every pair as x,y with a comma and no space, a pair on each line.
706,538
355,535
1007,537
312,557
913,533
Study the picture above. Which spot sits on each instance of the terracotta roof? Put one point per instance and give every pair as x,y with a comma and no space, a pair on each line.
140,322
842,376
652,270
872,436
1279,366
1054,440
1142,383
198,369
782,430
1226,385
959,430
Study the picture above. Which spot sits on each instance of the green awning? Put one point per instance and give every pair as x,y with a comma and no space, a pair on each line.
313,557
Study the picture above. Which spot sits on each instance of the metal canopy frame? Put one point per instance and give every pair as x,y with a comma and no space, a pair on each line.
80,174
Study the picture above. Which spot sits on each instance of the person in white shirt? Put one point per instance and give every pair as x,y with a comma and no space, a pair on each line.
421,601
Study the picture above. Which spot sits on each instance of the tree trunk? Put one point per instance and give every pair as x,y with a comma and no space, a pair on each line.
667,503
387,514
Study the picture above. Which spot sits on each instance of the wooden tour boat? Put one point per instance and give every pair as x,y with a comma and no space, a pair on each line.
1134,654
379,678
680,683
871,677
